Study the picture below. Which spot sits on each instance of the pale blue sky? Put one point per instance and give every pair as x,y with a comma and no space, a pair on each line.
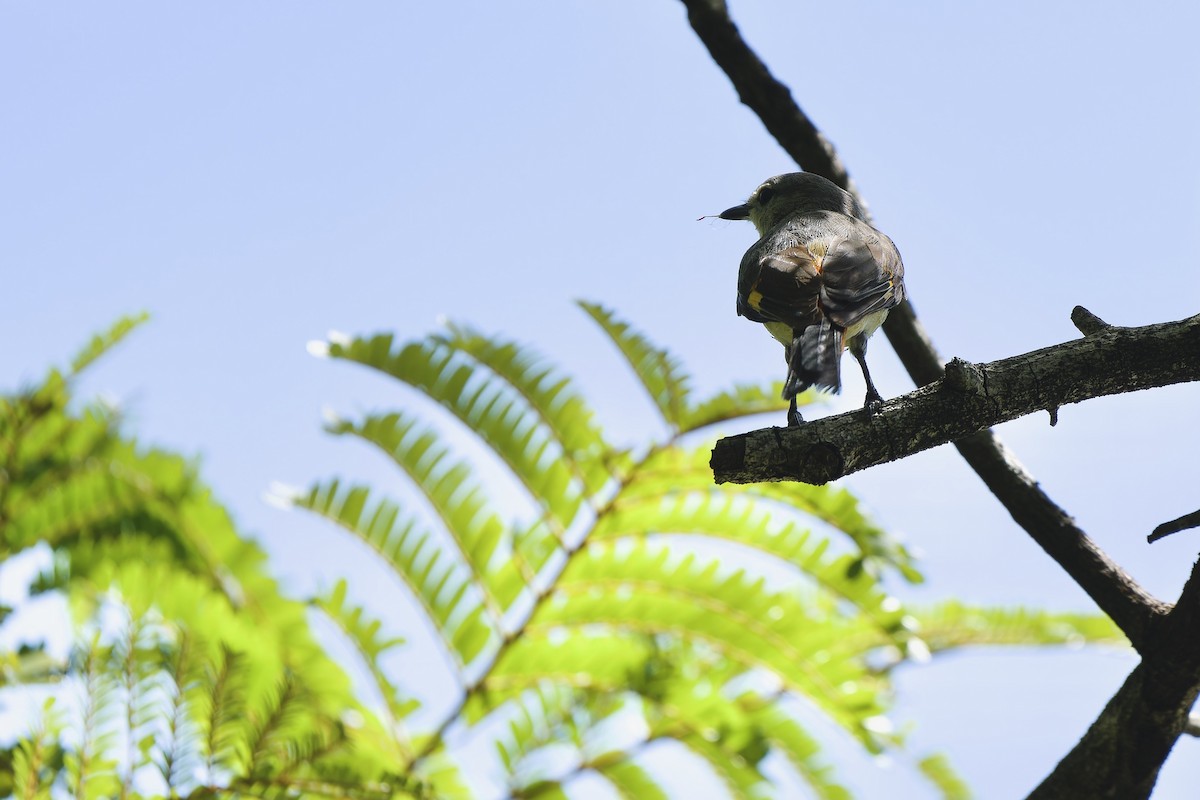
255,174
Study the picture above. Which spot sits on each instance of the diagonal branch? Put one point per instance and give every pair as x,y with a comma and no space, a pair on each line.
769,99
1130,606
971,398
1120,756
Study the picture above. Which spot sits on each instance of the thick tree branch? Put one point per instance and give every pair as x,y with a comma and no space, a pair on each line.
1131,607
976,396
758,89
971,398
1120,756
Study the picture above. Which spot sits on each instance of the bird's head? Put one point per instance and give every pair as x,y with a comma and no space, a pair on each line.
783,196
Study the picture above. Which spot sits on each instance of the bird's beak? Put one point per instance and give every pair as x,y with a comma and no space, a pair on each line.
737,212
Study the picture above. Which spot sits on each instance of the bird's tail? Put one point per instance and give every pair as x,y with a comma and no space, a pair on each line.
814,359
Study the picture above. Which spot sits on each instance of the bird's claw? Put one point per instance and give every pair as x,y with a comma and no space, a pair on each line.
873,405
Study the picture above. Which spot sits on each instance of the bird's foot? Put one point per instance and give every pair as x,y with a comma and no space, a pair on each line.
873,404
794,419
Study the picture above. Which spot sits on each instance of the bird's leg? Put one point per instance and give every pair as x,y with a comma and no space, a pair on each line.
874,400
791,386
794,418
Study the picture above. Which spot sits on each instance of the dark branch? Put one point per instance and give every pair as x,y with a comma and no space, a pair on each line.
1191,520
1134,610
971,398
1127,603
761,93
1120,756
1087,322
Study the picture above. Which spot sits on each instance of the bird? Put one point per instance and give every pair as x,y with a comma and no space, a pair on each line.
820,278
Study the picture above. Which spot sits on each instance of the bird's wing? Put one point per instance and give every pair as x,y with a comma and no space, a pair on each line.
858,278
780,287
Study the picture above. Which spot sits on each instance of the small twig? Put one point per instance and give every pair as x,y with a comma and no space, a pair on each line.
1087,322
1191,520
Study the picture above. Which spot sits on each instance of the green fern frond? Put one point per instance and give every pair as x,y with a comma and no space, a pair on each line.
135,659
221,718
644,587
47,444
438,777
37,758
675,470
483,540
91,769
552,395
743,400
547,790
937,769
276,722
534,718
728,517
488,406
178,752
91,498
364,634
598,659
440,583
952,624
715,703
29,665
741,778
785,734
659,372
102,342
632,781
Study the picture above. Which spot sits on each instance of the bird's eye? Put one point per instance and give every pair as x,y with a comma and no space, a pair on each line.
765,194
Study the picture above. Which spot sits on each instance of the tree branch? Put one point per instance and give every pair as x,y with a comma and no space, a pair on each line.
1120,756
1130,606
759,91
971,398
1191,520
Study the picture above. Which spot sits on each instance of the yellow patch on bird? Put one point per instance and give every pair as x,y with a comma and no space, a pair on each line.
781,332
755,299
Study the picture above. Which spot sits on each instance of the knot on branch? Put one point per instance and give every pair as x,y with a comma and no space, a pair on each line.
821,463
1087,322
963,376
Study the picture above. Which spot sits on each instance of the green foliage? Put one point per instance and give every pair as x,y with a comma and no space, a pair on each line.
626,604
189,670
636,598
939,772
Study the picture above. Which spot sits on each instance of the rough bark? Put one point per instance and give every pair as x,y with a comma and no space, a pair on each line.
970,398
973,397
1120,756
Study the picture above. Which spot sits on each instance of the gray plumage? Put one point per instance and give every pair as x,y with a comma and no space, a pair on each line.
820,278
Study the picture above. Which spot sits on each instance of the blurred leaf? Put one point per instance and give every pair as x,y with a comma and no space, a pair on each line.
633,782
101,343
939,772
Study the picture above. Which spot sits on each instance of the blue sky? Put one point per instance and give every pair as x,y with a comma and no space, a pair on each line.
258,174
